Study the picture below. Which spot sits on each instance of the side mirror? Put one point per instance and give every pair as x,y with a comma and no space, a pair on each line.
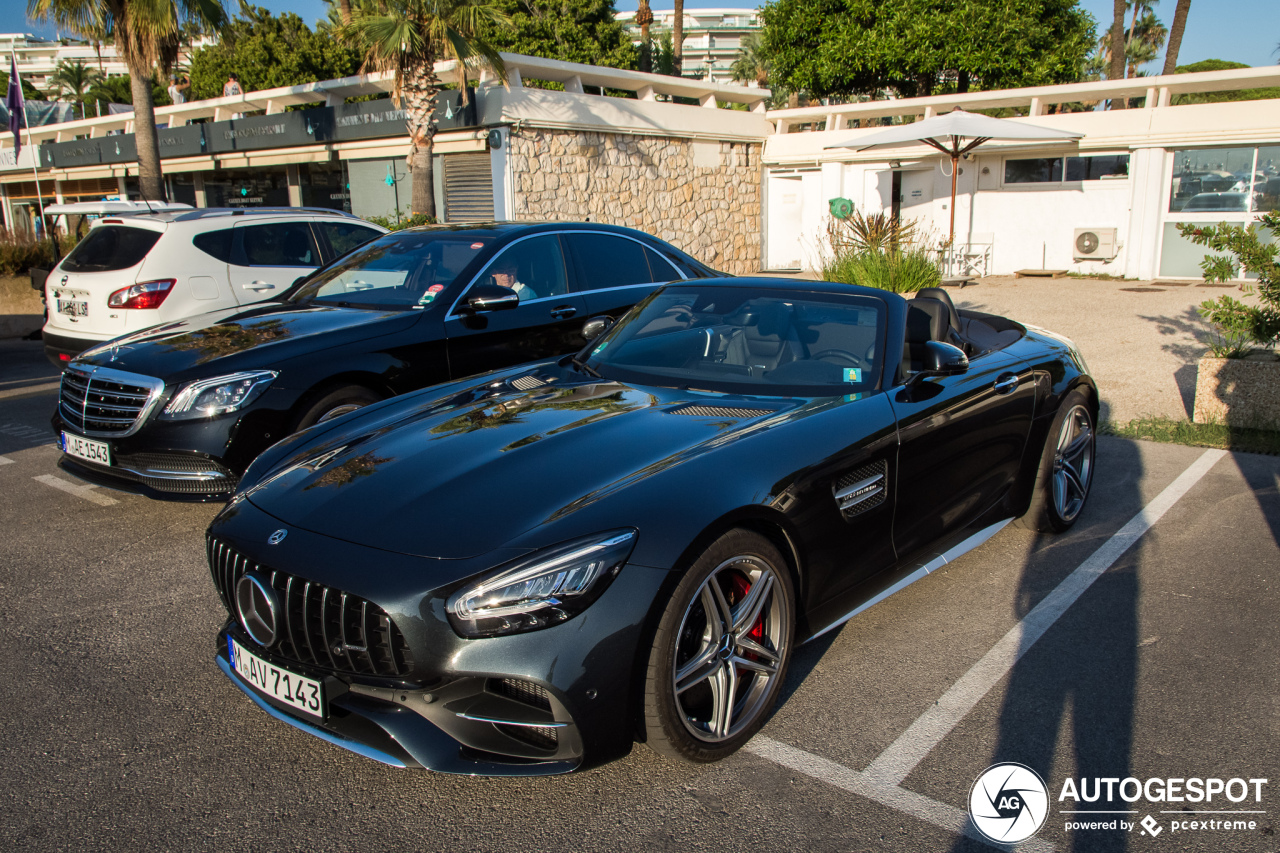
491,297
945,359
595,327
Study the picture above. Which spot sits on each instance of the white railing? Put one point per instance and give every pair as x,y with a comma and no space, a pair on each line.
1158,92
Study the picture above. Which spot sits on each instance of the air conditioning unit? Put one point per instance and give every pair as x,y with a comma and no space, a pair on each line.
1094,244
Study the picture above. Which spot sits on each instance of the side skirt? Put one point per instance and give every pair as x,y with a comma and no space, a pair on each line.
933,565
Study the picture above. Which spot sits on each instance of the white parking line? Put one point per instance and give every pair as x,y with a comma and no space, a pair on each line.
30,389
86,491
5,460
882,779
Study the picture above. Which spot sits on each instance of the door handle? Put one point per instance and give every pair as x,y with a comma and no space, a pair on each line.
260,285
563,312
1006,383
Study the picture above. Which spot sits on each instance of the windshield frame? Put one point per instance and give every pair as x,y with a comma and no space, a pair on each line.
589,360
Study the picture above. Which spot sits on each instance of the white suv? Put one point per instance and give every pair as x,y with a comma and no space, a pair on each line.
137,270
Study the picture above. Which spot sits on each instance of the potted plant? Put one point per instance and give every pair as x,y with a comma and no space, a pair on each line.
1238,382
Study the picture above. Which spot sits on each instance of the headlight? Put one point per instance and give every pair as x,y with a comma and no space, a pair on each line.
219,395
541,589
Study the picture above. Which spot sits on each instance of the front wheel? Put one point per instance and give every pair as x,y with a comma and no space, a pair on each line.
335,404
1066,468
721,650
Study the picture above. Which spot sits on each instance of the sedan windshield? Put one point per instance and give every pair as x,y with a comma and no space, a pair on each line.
408,270
748,340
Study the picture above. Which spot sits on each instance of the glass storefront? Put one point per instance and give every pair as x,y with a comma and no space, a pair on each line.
1211,186
325,185
381,187
267,187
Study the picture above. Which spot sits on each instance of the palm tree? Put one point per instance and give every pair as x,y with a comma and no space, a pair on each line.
1141,8
1145,41
72,81
751,62
147,32
1175,36
677,41
644,17
1115,49
406,37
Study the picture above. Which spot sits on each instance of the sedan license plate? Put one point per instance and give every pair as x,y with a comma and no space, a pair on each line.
86,449
73,307
297,691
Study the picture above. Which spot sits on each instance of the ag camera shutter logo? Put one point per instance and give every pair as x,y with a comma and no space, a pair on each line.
1009,803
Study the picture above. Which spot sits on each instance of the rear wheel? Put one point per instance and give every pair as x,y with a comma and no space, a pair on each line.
335,404
1066,468
721,650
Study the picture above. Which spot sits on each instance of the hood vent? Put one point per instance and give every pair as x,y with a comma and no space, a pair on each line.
700,411
527,383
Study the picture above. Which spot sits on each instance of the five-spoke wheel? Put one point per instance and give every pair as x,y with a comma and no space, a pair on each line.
1066,467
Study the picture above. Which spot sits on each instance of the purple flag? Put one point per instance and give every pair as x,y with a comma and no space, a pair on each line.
17,106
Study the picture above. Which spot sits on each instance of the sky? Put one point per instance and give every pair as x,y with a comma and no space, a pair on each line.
1245,31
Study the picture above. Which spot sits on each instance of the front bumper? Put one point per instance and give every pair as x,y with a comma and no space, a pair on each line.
539,703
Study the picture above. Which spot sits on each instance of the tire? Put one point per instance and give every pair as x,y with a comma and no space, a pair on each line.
745,646
1066,468
336,403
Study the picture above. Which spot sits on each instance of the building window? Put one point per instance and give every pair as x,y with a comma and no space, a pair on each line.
1051,170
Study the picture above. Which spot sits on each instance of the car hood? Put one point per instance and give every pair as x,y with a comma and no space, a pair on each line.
461,476
238,338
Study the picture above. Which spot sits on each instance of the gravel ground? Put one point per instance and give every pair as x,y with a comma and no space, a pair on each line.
1141,339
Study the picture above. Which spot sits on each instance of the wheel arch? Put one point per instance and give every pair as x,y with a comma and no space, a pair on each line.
364,379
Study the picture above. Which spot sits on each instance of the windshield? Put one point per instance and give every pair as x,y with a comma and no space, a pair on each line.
408,270
748,340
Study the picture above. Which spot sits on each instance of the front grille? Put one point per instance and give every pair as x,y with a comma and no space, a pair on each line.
106,402
323,627
719,411
174,473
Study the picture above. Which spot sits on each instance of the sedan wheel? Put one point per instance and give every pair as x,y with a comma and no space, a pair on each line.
335,404
721,650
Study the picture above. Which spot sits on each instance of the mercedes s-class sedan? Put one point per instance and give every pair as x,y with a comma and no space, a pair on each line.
526,572
179,410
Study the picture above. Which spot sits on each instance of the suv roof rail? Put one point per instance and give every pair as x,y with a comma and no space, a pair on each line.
205,212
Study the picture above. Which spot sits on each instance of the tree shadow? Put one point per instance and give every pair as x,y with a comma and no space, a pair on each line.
1187,324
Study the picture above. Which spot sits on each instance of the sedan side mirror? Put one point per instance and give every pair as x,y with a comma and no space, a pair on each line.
595,327
491,297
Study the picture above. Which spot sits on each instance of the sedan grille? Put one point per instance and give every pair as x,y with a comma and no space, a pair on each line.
323,626
106,402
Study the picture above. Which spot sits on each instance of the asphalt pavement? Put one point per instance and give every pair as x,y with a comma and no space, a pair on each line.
1141,644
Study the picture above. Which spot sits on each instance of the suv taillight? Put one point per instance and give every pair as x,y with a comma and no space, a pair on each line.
144,294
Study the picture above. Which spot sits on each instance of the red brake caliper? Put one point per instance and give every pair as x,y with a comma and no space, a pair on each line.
741,586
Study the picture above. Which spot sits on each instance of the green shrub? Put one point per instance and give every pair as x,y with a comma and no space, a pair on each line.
391,223
19,254
1238,327
881,232
903,271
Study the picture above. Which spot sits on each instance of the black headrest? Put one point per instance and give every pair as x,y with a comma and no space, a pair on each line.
927,320
942,296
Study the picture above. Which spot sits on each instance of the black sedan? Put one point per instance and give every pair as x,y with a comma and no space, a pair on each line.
526,572
179,410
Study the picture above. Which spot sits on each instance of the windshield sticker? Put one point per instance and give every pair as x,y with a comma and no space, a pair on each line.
596,351
853,374
477,245
427,299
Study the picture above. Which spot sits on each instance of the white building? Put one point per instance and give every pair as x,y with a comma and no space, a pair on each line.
1133,176
712,37
38,57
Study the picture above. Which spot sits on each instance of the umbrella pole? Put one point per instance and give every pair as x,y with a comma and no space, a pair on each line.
955,163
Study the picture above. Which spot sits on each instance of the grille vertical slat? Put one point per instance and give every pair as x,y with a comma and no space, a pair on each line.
102,401
309,610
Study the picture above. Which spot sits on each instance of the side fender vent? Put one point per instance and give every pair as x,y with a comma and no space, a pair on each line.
526,383
862,489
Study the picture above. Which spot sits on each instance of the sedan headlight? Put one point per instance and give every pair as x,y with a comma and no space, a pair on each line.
541,589
207,397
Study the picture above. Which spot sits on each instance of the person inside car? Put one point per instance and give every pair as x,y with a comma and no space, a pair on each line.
504,274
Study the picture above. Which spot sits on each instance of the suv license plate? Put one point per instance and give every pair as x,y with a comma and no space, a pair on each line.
297,691
86,449
73,307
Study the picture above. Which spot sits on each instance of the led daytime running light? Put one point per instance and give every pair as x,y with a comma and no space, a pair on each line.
219,395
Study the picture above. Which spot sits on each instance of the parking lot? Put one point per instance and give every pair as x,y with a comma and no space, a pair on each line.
1141,644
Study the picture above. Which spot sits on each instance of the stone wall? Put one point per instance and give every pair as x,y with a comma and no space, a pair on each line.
701,196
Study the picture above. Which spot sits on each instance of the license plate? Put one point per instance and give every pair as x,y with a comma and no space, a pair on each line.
73,307
297,691
87,449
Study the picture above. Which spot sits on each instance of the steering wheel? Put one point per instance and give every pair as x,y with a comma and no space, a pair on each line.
838,355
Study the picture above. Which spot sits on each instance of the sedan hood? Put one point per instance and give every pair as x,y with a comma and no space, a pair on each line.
239,338
458,477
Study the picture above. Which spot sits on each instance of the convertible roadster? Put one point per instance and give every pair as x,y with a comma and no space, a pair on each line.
526,572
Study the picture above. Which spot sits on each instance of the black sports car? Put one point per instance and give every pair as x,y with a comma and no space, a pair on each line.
525,572
179,410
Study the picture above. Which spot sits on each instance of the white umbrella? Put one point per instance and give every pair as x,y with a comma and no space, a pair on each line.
954,134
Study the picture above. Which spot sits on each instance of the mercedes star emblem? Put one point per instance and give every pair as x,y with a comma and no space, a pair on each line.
277,537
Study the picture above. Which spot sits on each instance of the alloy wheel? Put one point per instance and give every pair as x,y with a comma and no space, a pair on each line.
1073,463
